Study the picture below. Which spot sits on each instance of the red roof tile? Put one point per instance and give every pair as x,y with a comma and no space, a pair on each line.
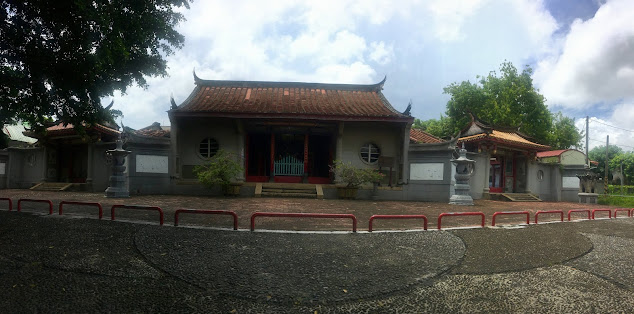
289,100
551,153
421,137
61,129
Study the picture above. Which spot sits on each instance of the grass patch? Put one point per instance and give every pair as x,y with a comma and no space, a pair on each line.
616,201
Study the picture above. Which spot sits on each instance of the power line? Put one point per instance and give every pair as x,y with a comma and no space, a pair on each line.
616,127
613,144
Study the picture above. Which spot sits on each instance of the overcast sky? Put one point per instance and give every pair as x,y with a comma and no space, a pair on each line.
582,52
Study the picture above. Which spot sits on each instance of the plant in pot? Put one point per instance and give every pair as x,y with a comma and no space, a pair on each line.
220,171
352,177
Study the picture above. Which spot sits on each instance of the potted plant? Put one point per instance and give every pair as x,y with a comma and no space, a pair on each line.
352,177
220,170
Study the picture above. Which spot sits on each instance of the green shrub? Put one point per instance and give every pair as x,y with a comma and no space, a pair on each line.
219,170
616,201
618,190
352,176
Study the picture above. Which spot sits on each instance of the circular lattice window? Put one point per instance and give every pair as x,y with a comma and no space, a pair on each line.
208,147
370,153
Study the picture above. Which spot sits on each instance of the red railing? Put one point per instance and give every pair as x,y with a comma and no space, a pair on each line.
460,214
62,203
50,204
304,215
578,211
10,202
137,207
207,212
549,212
423,217
629,213
528,216
602,210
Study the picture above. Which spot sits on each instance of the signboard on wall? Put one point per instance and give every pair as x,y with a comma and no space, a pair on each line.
2,168
570,182
151,164
427,171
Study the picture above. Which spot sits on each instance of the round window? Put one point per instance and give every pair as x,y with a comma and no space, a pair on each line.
370,153
540,175
208,147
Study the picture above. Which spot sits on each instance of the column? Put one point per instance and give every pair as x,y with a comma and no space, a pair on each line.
339,149
241,155
306,154
176,172
89,173
405,159
272,156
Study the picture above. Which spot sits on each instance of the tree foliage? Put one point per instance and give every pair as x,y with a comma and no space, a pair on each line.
59,58
440,128
507,99
564,133
598,154
625,159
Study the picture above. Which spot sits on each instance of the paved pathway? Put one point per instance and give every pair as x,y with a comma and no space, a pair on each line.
69,264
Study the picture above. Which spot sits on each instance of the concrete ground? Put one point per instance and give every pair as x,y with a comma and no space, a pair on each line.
77,263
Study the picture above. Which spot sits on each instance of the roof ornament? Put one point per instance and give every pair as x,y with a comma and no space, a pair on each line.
380,84
174,106
196,78
408,109
110,105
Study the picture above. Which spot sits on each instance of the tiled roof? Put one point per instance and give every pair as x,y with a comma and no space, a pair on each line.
421,137
504,137
551,153
289,100
153,130
61,129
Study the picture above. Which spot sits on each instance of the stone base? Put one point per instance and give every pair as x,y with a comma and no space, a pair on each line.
117,193
461,200
588,198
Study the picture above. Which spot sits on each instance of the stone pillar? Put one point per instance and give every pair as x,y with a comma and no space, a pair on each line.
339,152
176,170
89,168
405,158
487,173
240,153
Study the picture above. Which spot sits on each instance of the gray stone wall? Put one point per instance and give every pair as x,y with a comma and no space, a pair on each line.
480,178
148,169
26,167
4,161
433,185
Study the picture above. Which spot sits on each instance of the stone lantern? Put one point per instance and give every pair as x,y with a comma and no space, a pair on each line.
464,169
118,182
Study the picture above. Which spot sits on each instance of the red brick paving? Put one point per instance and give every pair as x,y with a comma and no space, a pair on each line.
244,207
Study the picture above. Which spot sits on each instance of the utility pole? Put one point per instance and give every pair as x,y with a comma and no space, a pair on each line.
587,135
607,159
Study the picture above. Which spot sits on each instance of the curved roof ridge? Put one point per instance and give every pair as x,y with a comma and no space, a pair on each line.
376,87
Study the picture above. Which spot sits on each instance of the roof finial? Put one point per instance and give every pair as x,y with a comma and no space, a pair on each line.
408,109
174,106
381,83
196,78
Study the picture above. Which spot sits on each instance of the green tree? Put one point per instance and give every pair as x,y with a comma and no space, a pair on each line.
564,133
439,128
59,58
626,159
508,100
598,154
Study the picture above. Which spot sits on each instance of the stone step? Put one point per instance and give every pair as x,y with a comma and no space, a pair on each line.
297,194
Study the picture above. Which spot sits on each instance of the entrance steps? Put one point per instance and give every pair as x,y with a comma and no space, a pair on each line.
289,190
52,186
520,197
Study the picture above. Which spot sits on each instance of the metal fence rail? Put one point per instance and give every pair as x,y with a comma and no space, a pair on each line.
304,215
50,204
460,214
528,216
